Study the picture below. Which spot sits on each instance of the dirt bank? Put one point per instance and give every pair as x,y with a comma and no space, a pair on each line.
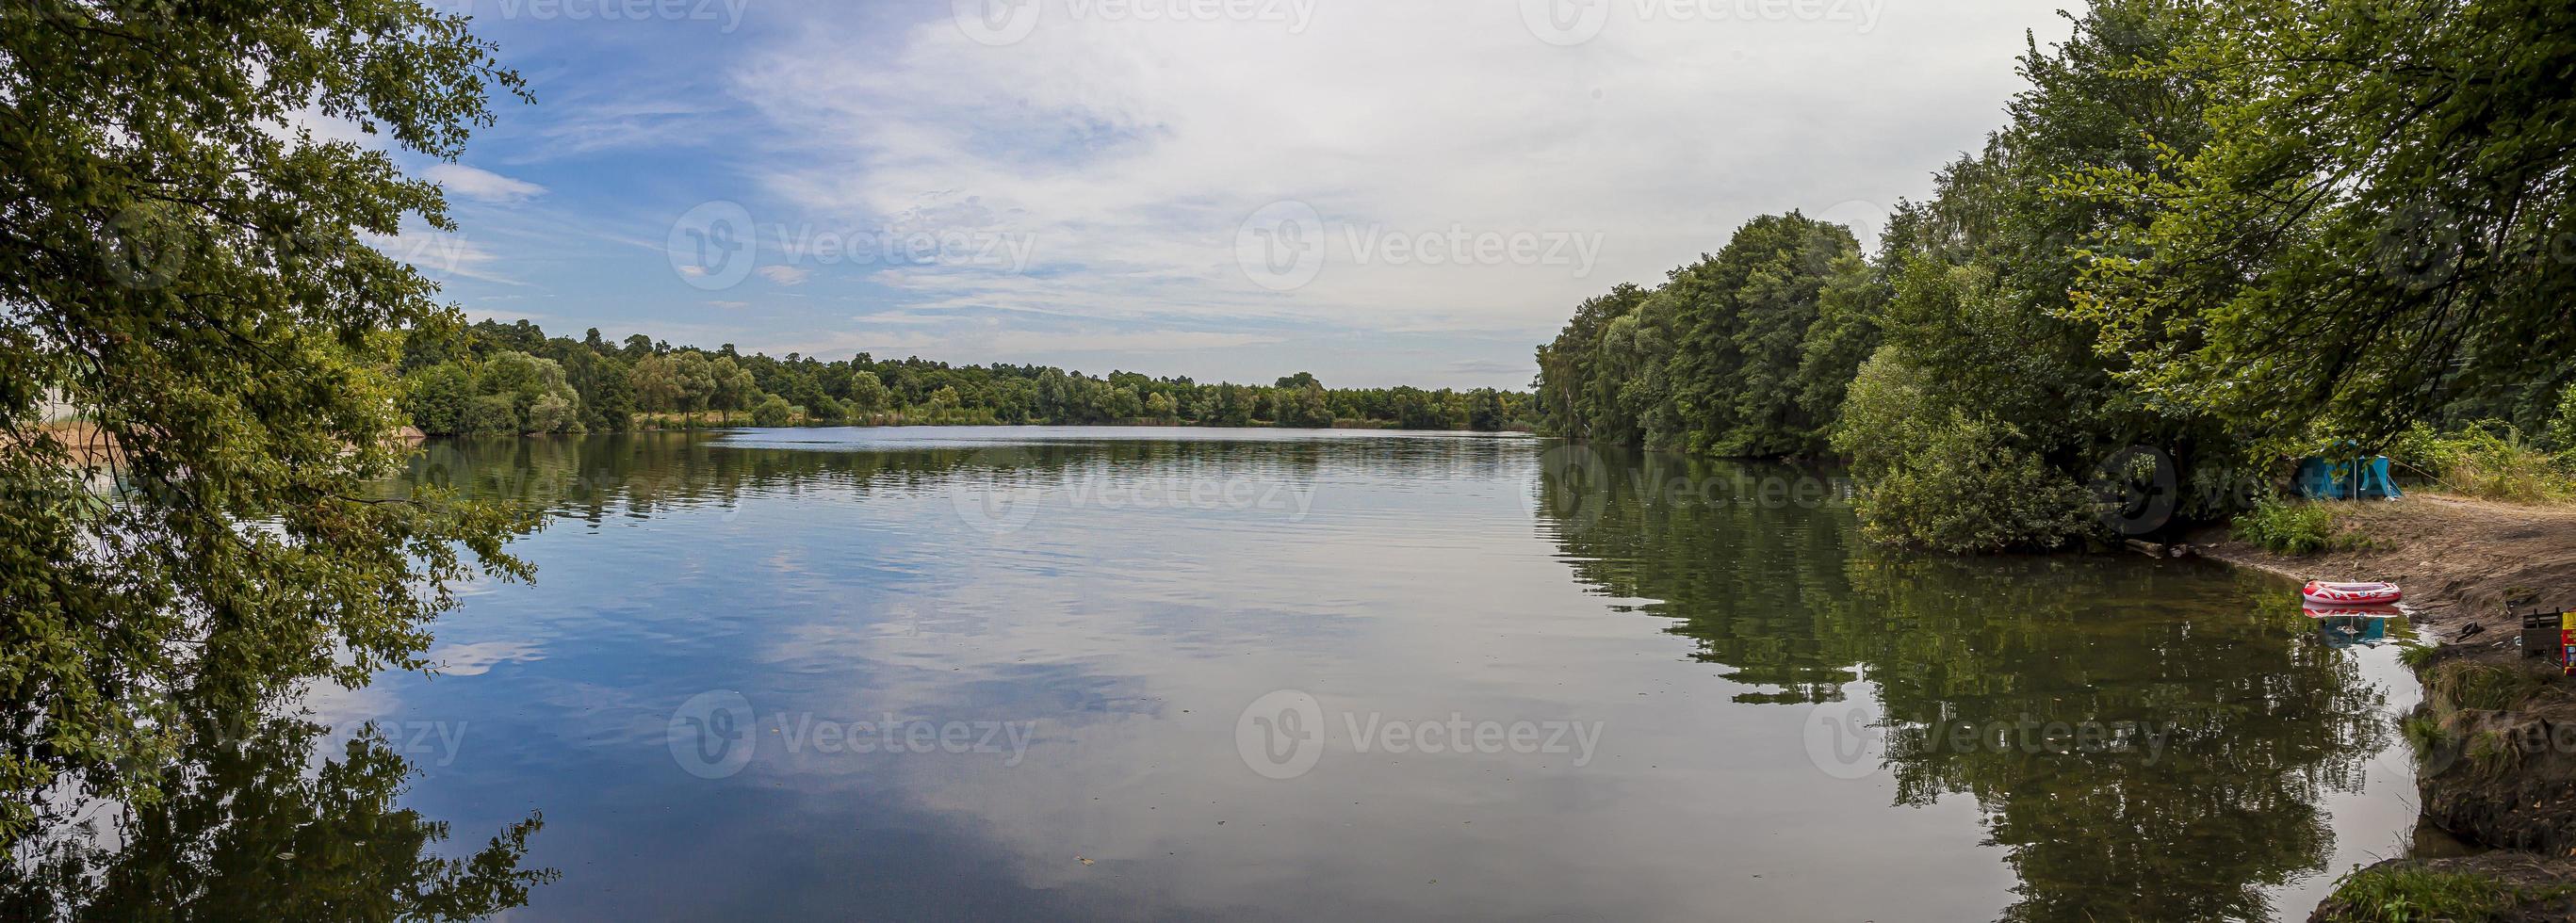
2460,560
2528,890
90,445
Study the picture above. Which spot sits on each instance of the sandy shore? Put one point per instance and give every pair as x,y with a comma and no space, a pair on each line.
2459,560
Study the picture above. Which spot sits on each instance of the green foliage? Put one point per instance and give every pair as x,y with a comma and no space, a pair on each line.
1736,355
1940,479
2461,685
268,825
2562,429
772,411
2369,227
187,266
506,395
2490,461
490,415
2296,527
2424,733
608,383
2421,895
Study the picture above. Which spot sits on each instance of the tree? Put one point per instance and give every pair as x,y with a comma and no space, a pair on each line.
731,386
656,383
2376,228
1485,412
867,394
436,398
185,265
1304,407
250,800
1717,360
695,379
772,411
531,383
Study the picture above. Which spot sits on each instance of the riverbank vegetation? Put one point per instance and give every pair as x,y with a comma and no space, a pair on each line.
2236,232
510,379
188,273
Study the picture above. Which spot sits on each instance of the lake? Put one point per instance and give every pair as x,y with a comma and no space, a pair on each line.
1121,674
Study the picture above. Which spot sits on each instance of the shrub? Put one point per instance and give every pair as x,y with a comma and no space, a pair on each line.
491,415
1950,482
2297,528
2484,687
2418,895
2490,461
772,411
2562,431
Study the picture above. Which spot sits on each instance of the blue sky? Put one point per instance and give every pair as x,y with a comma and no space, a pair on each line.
1379,192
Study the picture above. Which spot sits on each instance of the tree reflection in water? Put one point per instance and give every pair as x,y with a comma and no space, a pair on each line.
2261,715
251,827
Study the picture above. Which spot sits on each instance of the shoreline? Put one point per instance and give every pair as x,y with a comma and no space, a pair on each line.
2489,773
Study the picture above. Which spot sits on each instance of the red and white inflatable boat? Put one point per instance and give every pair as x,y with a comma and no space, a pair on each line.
2335,611
2351,594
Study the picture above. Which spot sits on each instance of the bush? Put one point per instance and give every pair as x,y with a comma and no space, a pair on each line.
1949,482
2562,431
2409,895
491,415
2490,461
438,397
772,411
2297,528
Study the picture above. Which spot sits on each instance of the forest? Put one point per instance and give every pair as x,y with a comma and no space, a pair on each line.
2238,233
493,379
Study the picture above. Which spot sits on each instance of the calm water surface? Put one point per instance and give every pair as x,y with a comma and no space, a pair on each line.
1167,674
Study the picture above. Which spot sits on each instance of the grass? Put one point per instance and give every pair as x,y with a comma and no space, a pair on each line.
2486,687
2424,733
2293,527
2492,462
2419,895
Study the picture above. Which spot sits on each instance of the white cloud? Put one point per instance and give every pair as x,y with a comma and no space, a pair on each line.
440,254
481,185
1132,151
785,275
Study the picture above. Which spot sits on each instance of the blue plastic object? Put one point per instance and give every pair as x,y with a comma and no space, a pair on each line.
2319,479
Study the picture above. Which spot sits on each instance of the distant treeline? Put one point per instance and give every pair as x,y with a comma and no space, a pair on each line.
2235,232
507,379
